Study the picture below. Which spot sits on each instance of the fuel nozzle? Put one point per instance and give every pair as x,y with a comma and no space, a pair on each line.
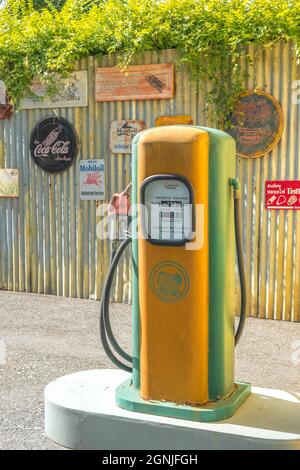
120,202
118,213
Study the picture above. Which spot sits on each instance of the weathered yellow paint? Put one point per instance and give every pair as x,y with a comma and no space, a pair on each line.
168,370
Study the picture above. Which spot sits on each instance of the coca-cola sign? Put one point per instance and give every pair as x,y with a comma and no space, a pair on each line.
53,144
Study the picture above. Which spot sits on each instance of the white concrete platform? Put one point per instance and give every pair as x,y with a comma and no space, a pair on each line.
80,413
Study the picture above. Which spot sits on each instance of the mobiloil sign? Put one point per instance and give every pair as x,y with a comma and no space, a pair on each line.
91,178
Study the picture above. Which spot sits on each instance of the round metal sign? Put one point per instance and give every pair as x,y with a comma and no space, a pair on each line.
53,144
257,123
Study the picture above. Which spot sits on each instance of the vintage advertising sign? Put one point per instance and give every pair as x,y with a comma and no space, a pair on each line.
137,82
2,93
173,120
257,123
122,133
9,183
6,109
282,195
71,92
53,144
91,180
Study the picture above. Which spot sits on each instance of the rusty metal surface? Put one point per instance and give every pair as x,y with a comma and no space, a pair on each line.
48,236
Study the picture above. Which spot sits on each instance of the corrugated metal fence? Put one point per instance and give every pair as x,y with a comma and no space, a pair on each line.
48,236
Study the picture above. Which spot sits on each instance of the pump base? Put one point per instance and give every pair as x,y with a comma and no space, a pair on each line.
80,413
129,399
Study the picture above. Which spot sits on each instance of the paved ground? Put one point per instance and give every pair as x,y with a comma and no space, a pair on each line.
47,337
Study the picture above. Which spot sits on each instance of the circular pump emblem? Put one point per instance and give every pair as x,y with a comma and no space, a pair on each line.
169,281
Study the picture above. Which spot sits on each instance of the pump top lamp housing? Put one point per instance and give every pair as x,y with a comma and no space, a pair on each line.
185,233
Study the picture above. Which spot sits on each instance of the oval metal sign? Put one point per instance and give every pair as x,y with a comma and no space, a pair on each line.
257,124
53,144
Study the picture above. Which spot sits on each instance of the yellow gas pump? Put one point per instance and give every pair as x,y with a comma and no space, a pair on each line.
184,205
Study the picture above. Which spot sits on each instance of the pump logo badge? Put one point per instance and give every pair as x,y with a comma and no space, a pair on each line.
169,281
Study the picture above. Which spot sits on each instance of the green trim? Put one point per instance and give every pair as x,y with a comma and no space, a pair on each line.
222,166
128,398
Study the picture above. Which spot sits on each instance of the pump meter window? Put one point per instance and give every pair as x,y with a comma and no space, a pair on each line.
167,213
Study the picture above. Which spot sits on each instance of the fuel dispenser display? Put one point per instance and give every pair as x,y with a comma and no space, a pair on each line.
185,200
167,202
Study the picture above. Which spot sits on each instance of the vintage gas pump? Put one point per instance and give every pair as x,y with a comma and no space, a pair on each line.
185,220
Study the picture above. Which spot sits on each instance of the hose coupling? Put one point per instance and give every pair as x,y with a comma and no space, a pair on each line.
237,194
234,182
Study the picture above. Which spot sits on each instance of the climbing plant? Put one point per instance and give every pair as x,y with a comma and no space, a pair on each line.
210,35
40,4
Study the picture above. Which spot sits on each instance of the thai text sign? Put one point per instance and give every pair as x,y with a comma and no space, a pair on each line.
9,183
137,82
257,124
122,134
91,180
71,92
282,195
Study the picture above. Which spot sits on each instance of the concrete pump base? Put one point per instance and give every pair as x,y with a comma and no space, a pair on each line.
80,413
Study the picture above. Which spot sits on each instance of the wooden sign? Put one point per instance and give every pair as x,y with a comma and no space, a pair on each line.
122,134
257,123
137,82
9,183
173,120
71,93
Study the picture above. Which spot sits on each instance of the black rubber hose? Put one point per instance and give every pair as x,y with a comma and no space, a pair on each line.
241,267
105,325
114,261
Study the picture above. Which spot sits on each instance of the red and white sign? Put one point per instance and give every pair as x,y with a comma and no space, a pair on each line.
282,195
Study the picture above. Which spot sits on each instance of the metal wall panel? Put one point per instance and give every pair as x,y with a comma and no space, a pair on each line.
48,236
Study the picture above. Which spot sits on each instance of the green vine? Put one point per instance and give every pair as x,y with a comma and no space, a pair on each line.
211,36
